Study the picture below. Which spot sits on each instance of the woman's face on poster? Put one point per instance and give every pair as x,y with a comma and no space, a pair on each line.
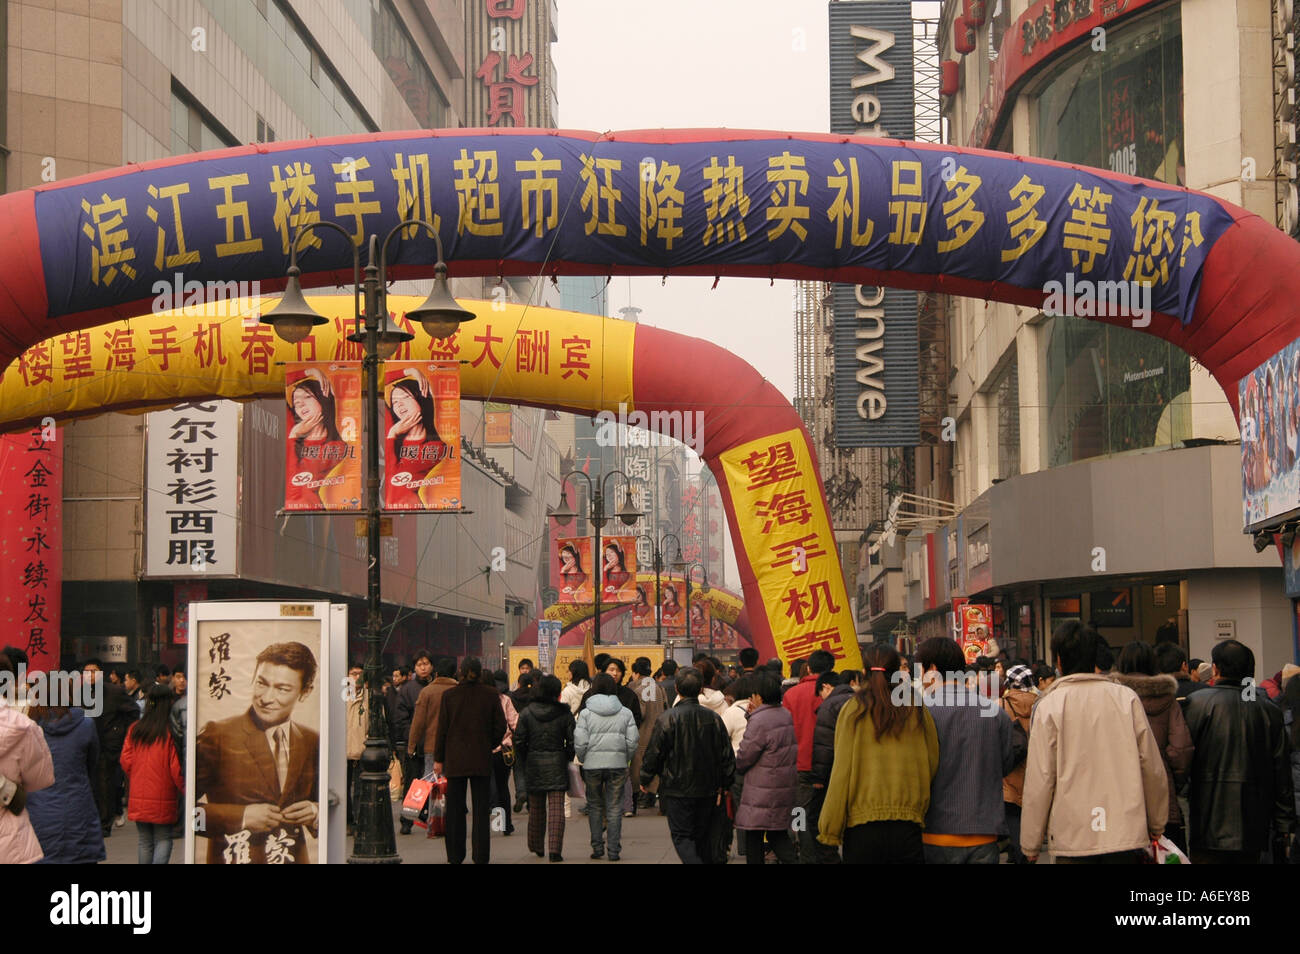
404,405
566,558
305,405
611,558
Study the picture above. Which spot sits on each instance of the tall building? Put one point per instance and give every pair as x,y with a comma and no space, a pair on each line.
98,85
1096,469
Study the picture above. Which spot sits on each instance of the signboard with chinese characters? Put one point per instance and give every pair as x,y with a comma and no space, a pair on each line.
192,481
508,52
257,752
323,436
1113,607
497,418
31,543
422,436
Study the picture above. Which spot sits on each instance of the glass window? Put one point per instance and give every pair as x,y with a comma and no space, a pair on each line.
405,67
1121,109
1007,391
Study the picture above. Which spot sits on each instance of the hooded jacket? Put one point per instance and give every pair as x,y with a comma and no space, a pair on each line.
1094,778
1018,704
711,699
64,815
544,740
25,759
736,719
767,758
1159,695
1240,777
606,735
156,780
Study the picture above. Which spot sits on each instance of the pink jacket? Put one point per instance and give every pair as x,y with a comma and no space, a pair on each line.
512,720
24,758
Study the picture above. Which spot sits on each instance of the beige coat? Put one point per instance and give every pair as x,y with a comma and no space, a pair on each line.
356,724
1094,778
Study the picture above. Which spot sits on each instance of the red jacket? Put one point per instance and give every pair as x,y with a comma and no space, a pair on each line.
803,702
156,780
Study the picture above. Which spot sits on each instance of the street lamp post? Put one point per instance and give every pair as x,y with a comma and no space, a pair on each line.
293,320
680,563
627,513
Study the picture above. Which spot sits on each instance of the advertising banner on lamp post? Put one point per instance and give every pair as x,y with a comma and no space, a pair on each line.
323,443
422,436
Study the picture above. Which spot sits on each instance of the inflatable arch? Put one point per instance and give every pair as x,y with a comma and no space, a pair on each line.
78,254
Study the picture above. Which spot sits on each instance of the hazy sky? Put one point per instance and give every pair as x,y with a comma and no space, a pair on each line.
744,64
700,63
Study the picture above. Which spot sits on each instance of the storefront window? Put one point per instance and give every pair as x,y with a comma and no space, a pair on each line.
1121,109
1112,390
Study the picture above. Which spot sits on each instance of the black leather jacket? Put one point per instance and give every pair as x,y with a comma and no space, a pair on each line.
690,751
1240,780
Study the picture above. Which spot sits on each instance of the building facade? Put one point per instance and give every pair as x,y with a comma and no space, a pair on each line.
1096,469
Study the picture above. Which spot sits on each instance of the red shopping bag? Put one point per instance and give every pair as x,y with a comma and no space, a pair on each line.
436,806
415,805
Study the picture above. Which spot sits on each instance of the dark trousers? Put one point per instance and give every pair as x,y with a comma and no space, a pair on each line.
781,844
354,773
884,843
108,790
810,799
521,784
1109,858
688,826
501,790
1014,855
1210,856
1178,835
481,835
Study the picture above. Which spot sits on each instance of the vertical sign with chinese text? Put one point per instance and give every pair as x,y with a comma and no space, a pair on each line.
323,436
31,544
192,486
422,436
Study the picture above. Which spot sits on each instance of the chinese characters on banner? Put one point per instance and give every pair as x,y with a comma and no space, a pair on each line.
191,472
548,640
422,436
505,93
31,546
618,569
260,689
672,607
789,545
323,445
577,576
497,418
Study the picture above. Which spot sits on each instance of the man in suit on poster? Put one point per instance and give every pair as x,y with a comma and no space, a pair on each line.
256,773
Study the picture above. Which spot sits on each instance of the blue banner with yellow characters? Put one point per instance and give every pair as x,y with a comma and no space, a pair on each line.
623,205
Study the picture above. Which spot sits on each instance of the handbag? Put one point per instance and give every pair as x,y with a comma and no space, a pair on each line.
577,787
508,756
436,808
415,805
1162,851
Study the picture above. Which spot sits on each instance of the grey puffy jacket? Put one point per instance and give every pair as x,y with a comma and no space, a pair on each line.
606,736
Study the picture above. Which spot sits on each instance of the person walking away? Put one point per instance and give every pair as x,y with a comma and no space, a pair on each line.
1018,703
801,701
407,697
653,701
579,683
520,698
824,731
690,752
500,795
736,721
669,681
1241,773
471,723
976,751
64,816
150,760
25,767
767,758
886,754
1136,668
117,713
1095,733
605,741
544,739
423,734
1172,660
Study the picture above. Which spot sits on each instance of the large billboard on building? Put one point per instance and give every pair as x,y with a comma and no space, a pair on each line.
1269,398
875,335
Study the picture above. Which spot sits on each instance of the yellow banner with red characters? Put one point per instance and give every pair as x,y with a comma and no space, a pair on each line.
782,520
542,356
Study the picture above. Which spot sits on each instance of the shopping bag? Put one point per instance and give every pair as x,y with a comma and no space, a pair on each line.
719,835
436,808
1162,851
395,778
414,806
577,787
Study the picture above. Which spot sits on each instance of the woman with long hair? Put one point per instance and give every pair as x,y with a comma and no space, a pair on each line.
641,612
317,451
886,754
577,686
64,815
672,606
413,447
571,568
150,761
613,572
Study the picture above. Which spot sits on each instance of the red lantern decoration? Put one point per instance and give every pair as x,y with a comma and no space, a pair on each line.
963,36
975,11
949,77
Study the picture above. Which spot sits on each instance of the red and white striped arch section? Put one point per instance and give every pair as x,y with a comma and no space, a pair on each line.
757,204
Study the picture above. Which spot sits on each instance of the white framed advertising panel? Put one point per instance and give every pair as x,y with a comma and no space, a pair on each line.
257,766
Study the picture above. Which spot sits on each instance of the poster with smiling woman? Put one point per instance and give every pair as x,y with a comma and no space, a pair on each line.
323,456
421,436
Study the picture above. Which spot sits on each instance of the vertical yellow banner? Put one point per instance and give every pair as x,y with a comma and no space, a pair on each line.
787,535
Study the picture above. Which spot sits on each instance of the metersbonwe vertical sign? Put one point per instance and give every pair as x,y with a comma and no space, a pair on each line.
876,361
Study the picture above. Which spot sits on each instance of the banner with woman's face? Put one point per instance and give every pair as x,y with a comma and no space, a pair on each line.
421,435
700,617
672,606
323,436
576,580
618,570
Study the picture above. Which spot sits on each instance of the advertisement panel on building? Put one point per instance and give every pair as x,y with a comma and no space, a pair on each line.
1270,420
422,443
875,333
577,575
323,436
976,620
